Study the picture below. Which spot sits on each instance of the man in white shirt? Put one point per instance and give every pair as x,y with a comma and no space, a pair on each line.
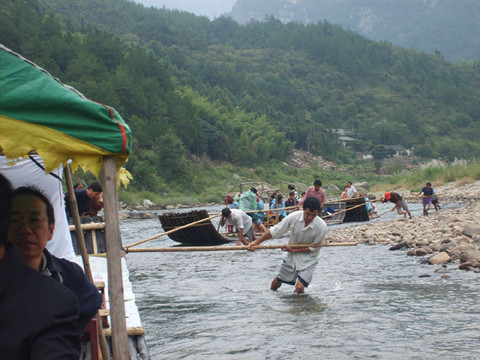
351,191
241,221
306,228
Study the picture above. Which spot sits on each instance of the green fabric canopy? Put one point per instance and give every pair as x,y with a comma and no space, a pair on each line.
38,112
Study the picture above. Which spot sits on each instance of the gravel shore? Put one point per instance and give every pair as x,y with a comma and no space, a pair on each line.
444,238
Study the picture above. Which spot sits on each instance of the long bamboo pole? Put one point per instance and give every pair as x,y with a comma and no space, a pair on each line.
345,210
171,231
114,257
229,248
83,252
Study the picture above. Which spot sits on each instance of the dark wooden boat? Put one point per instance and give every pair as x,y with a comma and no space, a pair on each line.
338,214
201,234
355,210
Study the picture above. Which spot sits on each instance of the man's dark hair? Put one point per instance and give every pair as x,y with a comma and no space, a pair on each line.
254,190
96,187
226,212
317,182
312,203
31,190
5,208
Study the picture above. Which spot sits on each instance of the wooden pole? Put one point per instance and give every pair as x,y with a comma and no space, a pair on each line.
171,231
345,210
228,248
114,265
83,252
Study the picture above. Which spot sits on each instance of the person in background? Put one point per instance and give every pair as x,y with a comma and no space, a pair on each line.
399,202
88,200
344,194
38,316
259,216
370,207
351,191
241,221
248,201
435,202
291,188
291,202
316,191
278,203
30,239
306,228
427,192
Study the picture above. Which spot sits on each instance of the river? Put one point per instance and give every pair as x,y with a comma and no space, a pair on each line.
365,302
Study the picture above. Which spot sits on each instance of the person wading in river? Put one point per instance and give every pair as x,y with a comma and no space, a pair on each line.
306,228
399,202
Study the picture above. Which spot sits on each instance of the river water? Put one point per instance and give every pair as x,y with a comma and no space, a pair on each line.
365,302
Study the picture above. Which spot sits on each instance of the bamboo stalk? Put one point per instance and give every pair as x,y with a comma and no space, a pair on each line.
228,248
83,252
171,231
90,226
345,210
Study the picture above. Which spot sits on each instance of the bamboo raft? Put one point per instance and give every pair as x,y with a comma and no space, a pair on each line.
201,234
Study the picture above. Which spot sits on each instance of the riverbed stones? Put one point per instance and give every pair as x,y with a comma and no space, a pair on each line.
440,258
448,236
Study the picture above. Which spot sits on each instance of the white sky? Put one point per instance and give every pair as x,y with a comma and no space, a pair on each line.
210,8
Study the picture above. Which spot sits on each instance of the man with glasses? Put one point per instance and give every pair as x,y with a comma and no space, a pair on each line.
31,227
38,317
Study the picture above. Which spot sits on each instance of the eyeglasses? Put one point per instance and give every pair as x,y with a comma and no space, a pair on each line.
33,223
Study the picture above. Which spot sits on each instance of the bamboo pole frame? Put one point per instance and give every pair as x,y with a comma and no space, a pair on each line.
114,266
83,252
238,247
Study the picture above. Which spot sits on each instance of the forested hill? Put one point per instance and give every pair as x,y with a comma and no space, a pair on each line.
196,91
448,26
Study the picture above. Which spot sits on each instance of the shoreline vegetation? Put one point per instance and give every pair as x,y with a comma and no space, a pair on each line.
398,174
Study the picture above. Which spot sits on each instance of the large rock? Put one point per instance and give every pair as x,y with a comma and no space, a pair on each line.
440,258
147,204
333,188
471,230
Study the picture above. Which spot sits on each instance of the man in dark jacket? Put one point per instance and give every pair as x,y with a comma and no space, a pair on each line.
88,200
32,225
38,316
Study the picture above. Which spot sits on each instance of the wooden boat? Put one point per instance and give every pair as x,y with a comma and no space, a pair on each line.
338,214
94,233
201,234
355,210
61,125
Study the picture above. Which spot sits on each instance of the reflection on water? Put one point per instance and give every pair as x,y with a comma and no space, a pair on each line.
364,302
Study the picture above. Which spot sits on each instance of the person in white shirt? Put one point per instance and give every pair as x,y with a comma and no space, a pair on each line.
306,228
241,221
351,191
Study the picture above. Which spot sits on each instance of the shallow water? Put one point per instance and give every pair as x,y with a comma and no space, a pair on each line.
365,302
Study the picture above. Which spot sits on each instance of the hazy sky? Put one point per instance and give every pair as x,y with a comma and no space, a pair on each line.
210,8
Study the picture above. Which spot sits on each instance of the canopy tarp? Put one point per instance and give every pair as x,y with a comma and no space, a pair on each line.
39,113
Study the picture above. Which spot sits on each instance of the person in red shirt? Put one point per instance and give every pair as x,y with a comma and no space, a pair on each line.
317,192
399,202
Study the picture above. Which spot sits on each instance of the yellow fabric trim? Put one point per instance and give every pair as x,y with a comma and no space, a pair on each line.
18,138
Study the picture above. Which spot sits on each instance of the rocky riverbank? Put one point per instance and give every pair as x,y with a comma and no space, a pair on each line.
446,238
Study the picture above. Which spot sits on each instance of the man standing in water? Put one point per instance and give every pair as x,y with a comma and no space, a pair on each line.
241,221
316,191
306,228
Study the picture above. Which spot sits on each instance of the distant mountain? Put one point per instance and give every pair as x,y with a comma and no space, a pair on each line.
451,27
